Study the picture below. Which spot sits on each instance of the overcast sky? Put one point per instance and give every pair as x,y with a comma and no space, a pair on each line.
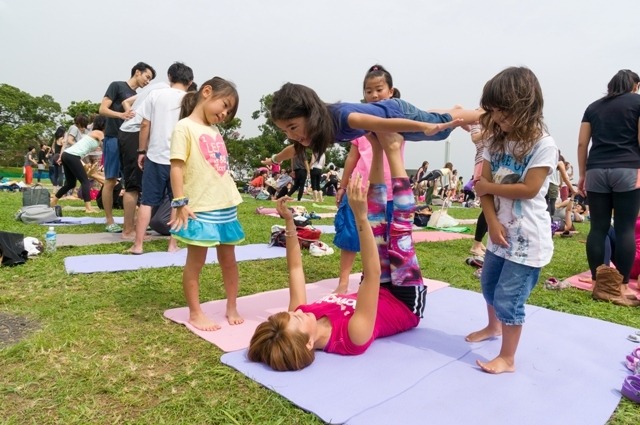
439,53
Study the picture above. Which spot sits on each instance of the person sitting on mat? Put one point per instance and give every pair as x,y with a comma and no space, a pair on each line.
391,296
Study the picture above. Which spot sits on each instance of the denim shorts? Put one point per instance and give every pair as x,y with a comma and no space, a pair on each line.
345,223
506,286
156,183
111,156
412,113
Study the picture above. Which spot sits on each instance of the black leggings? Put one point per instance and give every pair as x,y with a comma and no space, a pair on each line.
469,195
299,182
481,228
74,171
316,174
626,206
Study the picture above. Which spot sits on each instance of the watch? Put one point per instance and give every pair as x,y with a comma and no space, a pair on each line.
141,151
179,202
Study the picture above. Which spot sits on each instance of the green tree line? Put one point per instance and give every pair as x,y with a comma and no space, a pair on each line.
27,120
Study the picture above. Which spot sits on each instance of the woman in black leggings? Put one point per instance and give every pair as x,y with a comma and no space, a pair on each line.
74,168
300,168
610,171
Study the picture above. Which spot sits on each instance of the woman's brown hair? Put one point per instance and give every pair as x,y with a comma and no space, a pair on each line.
517,93
278,348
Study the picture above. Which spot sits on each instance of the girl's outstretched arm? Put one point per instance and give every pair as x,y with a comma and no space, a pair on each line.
297,289
397,125
364,318
285,154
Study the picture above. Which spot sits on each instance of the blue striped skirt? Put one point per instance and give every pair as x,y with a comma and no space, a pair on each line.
212,228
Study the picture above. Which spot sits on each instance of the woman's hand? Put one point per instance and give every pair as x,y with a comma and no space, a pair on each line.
581,190
181,219
357,196
283,209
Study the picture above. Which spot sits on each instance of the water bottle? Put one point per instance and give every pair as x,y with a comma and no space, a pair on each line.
50,240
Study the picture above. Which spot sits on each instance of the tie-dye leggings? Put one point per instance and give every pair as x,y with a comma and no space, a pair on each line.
400,271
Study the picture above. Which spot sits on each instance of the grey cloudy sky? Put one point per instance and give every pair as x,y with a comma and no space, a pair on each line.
440,53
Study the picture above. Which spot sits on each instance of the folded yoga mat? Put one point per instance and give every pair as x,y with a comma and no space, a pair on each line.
80,239
569,370
66,221
125,262
257,307
576,283
438,236
452,229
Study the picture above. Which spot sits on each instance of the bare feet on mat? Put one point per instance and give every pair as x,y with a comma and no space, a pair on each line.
497,365
233,317
341,289
130,236
483,334
173,245
203,323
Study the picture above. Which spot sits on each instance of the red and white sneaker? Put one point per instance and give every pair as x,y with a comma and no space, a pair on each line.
319,249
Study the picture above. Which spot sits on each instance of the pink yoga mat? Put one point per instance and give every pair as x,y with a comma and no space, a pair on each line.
257,307
438,236
576,283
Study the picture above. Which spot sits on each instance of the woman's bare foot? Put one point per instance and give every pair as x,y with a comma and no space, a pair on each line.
233,317
202,322
91,211
483,334
130,236
497,365
341,289
135,251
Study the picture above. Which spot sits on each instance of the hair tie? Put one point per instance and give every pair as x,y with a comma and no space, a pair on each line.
375,68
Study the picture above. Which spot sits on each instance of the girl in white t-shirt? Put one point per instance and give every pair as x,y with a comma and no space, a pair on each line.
518,158
205,195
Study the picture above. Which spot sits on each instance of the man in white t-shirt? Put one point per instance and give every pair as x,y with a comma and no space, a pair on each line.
160,112
128,139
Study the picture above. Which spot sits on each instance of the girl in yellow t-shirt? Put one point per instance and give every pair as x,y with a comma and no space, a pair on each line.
205,195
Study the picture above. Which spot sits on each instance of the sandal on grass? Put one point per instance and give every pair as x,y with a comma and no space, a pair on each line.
631,388
554,284
113,228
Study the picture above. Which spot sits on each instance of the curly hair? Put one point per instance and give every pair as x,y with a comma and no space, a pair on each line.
517,93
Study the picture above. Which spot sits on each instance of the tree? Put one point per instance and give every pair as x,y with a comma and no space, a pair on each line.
25,121
86,107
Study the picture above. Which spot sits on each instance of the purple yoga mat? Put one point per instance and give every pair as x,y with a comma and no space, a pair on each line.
569,370
126,262
70,221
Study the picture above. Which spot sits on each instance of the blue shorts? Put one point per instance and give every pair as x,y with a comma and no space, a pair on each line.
111,158
156,183
412,113
345,223
506,286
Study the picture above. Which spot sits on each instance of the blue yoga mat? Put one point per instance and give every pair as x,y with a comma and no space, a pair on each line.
569,370
125,262
71,221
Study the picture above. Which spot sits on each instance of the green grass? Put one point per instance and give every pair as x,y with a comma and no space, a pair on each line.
104,353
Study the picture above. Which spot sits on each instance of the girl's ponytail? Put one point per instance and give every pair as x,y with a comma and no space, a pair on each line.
189,102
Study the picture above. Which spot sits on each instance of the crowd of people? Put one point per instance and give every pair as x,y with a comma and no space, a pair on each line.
165,146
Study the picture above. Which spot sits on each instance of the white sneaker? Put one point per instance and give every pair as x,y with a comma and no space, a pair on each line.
319,249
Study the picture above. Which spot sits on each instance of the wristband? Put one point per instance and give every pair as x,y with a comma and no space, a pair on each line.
141,151
179,202
273,159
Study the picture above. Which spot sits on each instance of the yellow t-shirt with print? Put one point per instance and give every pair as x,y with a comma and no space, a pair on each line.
207,181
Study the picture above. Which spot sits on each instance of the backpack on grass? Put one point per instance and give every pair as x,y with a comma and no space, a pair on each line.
39,214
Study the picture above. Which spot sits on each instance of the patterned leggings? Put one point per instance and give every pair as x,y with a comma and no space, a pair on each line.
400,271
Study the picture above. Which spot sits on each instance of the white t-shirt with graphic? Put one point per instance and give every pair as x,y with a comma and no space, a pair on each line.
527,221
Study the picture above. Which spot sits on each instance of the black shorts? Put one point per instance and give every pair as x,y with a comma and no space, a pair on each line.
131,173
